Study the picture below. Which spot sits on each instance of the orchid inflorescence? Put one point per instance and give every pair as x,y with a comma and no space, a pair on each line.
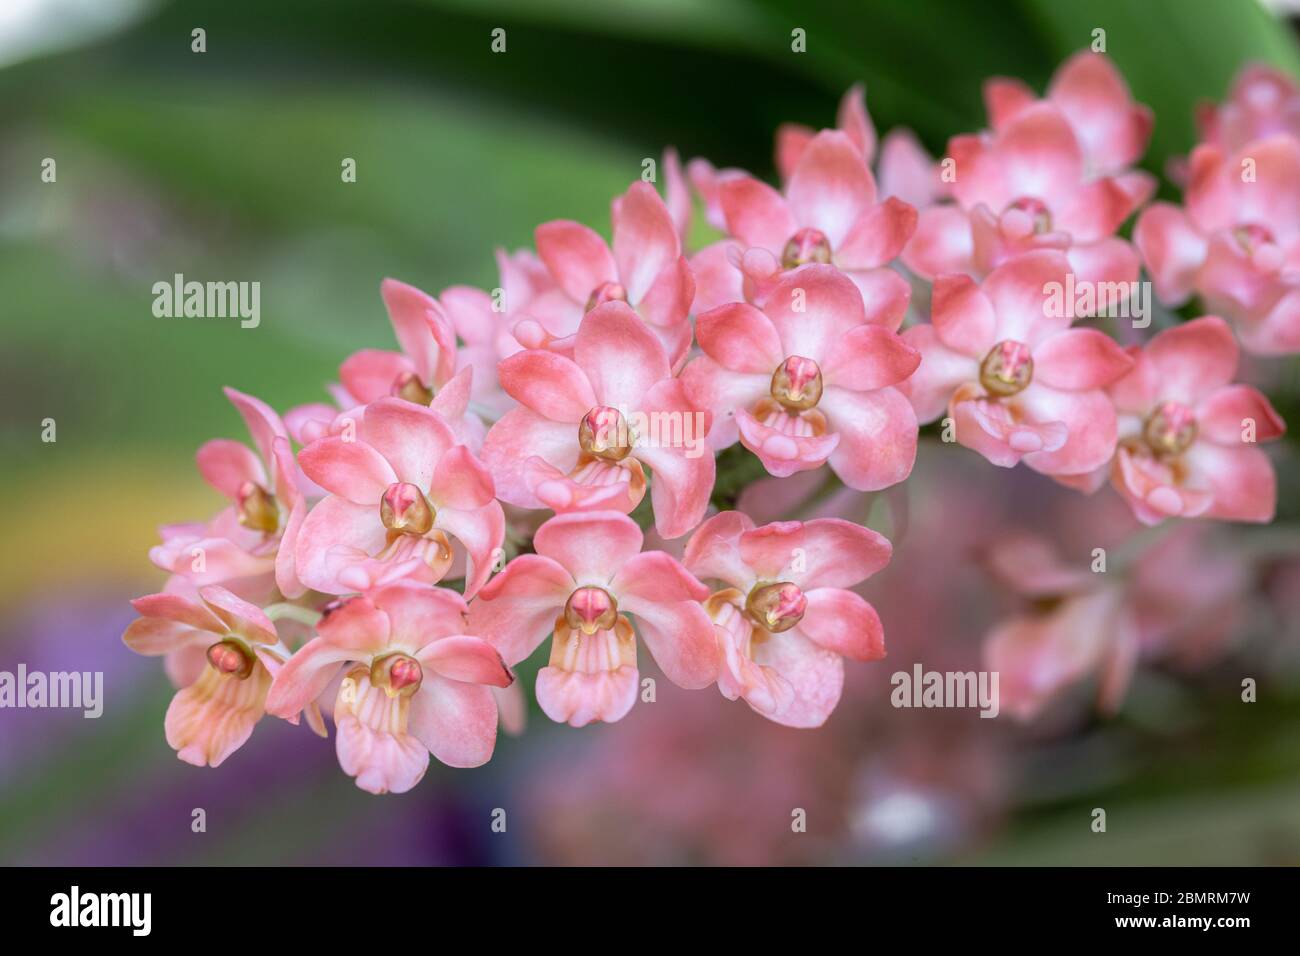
599,372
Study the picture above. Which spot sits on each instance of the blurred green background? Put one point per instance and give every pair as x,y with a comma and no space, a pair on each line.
225,165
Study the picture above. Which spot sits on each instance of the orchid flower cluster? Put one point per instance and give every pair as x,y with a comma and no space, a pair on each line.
553,447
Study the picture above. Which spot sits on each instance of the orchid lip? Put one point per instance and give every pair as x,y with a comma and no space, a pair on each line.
776,607
805,246
231,658
603,433
1039,215
606,292
1170,429
408,386
404,509
399,674
591,609
1007,369
257,508
797,384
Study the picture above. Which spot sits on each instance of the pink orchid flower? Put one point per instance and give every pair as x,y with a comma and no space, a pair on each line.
424,372
1262,102
397,493
1018,382
1236,241
589,572
220,649
588,423
1024,187
255,535
808,379
1090,92
784,618
830,214
645,269
1186,436
413,684
905,170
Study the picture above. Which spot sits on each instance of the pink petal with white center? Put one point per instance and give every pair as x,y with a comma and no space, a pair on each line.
1020,292
1005,98
1278,332
885,296
657,577
723,392
852,119
336,535
620,356
907,170
518,436
1038,156
645,239
351,469
1223,416
209,720
1089,418
263,423
517,609
831,188
1242,479
1080,359
457,722
306,423
718,279
358,624
815,675
179,609
422,330
461,481
962,316
941,371
1092,94
239,616
576,256
844,623
155,636
461,657
1110,260
821,553
811,308
1095,210
226,465
878,236
481,531
714,550
740,337
578,698
679,457
756,214
941,242
1172,249
877,436
668,301
372,373
547,383
410,437
1193,359
591,546
679,636
785,443
791,140
870,357
305,676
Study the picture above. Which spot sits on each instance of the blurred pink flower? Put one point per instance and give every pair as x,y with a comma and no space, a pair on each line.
1186,435
1262,101
1235,242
